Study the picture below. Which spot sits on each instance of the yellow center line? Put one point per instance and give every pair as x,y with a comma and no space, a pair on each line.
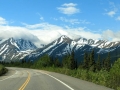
26,82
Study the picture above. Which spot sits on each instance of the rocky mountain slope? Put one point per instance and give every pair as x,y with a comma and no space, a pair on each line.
64,45
17,49
12,49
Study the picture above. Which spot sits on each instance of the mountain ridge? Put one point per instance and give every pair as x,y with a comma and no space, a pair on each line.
17,49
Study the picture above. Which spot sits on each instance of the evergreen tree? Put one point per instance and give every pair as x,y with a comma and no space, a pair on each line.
43,61
103,63
85,62
23,61
92,61
115,75
57,62
51,61
76,64
98,64
66,61
88,60
107,63
72,61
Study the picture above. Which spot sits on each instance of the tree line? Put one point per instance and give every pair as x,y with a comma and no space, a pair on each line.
100,71
68,61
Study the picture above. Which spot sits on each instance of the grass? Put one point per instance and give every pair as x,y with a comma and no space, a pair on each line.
100,77
3,70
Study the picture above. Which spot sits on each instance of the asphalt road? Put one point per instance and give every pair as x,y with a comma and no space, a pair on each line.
29,79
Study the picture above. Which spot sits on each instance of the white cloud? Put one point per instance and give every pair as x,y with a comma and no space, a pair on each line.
42,26
111,13
41,18
17,33
69,5
72,21
48,32
84,22
113,9
111,35
68,8
43,32
82,32
2,21
55,19
118,18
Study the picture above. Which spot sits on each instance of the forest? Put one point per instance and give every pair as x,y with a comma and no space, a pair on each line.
99,71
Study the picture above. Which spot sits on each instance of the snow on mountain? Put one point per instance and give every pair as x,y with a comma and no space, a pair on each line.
96,43
60,47
64,45
16,49
25,45
13,49
2,40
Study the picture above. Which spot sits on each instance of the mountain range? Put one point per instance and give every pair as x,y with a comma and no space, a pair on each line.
17,49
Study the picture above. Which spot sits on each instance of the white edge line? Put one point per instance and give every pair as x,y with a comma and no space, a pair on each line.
59,81
10,76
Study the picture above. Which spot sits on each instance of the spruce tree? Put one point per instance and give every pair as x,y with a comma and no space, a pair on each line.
92,61
66,61
92,58
107,63
115,75
57,62
72,61
98,64
88,60
51,61
103,63
85,62
76,64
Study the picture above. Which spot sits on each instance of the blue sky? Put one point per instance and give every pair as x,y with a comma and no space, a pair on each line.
93,18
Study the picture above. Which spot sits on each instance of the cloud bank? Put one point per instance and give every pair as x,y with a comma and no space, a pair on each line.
17,33
110,35
44,33
48,32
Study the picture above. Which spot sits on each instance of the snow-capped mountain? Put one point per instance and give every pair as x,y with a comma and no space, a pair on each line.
97,43
24,45
64,45
13,49
17,49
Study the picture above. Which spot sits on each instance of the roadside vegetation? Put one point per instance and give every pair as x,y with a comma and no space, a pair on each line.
3,70
101,72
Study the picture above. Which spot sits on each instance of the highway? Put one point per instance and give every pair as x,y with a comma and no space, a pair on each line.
31,79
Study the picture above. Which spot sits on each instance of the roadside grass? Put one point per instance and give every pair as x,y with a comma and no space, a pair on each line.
100,77
103,77
3,70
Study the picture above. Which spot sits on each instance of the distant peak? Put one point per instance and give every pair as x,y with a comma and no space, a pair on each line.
81,38
11,38
64,36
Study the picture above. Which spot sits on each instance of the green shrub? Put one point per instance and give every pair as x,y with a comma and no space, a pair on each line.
115,75
3,70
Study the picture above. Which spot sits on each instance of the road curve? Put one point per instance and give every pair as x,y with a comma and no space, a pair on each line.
31,79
